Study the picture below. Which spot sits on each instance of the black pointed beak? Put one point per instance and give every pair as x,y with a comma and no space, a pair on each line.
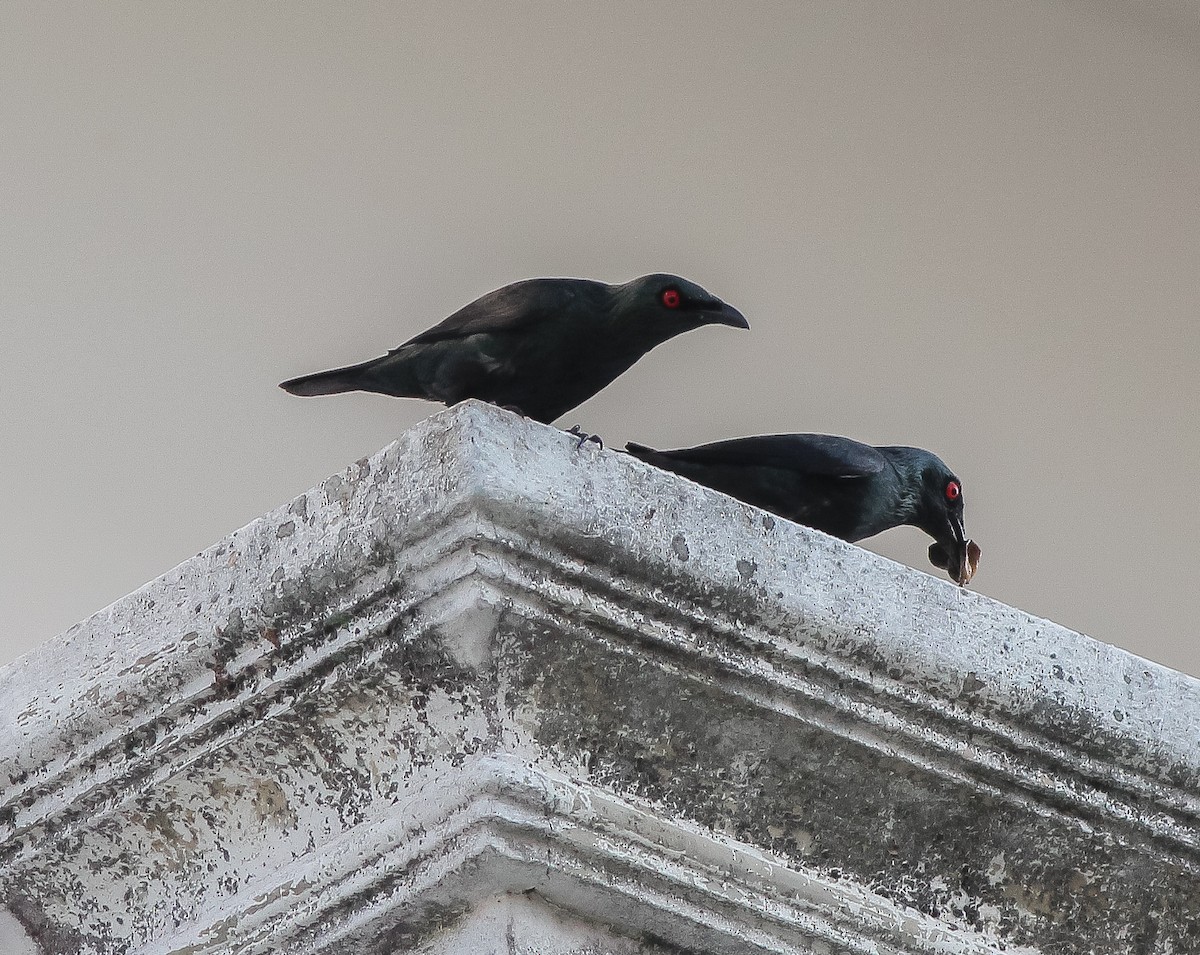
958,529
718,313
947,552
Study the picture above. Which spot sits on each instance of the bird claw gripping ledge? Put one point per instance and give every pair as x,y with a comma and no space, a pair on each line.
584,437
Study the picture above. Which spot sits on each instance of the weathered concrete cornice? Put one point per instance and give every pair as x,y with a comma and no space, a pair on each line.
483,662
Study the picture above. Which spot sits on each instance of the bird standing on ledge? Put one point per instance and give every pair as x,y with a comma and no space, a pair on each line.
539,347
839,486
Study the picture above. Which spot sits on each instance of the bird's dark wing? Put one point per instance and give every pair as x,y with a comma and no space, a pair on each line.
515,307
815,454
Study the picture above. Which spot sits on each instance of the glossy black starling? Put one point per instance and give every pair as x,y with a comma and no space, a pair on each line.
539,347
837,485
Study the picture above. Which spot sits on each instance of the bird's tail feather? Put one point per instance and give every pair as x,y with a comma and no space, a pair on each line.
641,451
358,377
324,382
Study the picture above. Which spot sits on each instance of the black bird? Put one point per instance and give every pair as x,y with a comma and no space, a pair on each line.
843,487
539,347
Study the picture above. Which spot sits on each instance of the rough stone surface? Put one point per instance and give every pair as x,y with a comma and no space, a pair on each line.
487,692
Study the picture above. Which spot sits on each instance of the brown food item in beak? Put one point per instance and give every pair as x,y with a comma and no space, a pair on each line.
968,561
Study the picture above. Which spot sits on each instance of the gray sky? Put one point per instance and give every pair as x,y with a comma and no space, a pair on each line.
970,227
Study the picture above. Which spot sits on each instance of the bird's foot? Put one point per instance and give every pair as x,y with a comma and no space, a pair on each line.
583,436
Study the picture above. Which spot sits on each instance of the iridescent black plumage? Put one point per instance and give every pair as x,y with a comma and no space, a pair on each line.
541,346
837,485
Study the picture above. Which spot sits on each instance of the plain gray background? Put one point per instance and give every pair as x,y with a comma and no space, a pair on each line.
971,227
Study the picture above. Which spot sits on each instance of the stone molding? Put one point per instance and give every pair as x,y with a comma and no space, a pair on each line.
485,671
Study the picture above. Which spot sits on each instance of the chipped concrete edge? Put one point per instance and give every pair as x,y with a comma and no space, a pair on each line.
475,510
892,641
501,825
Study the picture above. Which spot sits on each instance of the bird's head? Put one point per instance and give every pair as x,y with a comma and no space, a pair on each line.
936,496
661,306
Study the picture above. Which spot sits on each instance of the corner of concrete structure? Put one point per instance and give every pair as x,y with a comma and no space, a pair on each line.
485,688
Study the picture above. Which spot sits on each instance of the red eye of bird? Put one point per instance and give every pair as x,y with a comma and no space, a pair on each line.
953,491
670,298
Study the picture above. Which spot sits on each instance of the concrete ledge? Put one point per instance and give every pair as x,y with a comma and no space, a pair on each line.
485,686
